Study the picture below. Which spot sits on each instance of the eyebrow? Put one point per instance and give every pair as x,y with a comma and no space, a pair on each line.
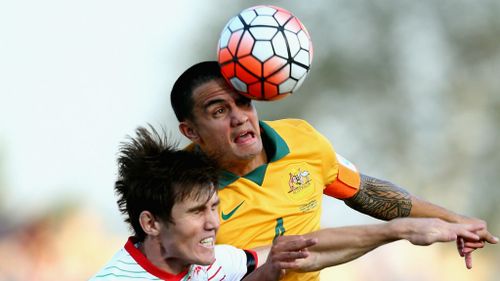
212,102
202,206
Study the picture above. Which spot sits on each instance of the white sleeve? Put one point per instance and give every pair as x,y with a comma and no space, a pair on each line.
230,264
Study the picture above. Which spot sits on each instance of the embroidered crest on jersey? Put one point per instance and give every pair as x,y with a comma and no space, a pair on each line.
300,182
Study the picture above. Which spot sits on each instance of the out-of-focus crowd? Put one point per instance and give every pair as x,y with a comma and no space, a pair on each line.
68,245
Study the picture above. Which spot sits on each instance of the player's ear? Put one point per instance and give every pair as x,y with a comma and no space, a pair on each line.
188,130
149,223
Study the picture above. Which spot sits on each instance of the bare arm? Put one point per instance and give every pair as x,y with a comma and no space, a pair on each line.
339,245
385,200
381,199
333,246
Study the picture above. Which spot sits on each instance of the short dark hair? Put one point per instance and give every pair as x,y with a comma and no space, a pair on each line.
153,175
182,91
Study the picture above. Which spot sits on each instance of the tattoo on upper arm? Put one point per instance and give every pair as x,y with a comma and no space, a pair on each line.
381,199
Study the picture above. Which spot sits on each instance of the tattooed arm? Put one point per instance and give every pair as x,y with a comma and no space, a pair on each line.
381,199
385,200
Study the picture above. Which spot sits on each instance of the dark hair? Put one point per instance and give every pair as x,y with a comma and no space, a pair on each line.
182,91
153,175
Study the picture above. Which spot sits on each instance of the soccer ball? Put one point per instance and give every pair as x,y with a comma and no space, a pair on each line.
265,52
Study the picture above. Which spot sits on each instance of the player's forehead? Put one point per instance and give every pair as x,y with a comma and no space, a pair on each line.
198,200
212,90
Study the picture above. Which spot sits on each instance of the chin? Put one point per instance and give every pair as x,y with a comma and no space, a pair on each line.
250,155
205,256
250,152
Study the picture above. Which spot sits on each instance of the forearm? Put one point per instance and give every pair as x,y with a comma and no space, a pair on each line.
423,209
381,199
339,245
385,200
333,246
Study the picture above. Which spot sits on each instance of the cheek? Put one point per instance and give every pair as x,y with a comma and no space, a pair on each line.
252,114
214,134
183,233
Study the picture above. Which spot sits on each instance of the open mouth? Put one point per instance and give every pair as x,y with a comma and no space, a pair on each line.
244,137
207,242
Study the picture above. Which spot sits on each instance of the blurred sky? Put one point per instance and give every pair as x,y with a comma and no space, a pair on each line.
76,77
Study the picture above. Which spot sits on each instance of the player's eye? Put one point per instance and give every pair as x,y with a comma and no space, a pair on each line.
219,111
198,212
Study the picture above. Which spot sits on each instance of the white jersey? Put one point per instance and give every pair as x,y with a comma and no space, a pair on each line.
130,264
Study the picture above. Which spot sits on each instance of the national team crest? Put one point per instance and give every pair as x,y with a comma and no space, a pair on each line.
300,182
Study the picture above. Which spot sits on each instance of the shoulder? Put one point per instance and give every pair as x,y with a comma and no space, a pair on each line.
230,263
121,267
297,124
227,253
292,127
297,131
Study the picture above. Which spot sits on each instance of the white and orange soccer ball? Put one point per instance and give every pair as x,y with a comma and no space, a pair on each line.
265,52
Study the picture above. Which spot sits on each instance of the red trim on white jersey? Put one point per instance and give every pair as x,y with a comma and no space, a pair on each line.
130,264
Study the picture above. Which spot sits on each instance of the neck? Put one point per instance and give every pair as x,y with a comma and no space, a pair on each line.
153,250
243,167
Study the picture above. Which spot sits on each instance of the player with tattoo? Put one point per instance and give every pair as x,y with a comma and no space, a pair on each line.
275,172
169,199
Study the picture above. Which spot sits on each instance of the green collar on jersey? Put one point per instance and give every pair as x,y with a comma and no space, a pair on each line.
275,147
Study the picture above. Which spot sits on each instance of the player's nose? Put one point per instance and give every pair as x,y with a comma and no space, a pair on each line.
212,220
238,117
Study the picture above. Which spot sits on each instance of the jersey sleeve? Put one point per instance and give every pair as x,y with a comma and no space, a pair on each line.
346,182
230,264
341,177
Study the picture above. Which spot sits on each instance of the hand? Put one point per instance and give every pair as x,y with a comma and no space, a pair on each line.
426,231
466,246
284,254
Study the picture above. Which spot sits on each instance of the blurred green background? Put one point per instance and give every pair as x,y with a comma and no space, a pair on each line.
407,90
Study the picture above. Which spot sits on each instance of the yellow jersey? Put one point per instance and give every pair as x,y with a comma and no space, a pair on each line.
283,196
